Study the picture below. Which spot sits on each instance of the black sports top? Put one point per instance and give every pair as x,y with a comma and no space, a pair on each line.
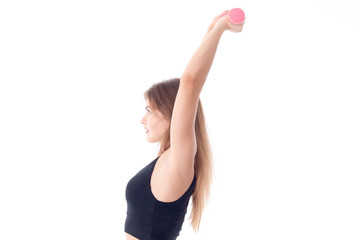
148,218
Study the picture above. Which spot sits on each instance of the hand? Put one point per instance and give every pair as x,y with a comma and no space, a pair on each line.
230,26
215,20
225,22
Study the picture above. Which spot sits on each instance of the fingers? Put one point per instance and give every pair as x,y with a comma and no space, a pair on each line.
237,27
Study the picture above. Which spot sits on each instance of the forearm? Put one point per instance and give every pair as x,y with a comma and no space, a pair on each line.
208,30
200,63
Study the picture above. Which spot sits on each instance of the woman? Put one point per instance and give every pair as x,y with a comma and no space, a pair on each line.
158,195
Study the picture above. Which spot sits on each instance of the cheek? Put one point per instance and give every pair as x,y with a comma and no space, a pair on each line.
151,122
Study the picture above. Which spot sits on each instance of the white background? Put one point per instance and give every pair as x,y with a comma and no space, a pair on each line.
282,106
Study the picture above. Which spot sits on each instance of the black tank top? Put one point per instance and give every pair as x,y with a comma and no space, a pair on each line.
150,219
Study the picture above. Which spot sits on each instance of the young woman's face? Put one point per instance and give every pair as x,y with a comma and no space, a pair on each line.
155,125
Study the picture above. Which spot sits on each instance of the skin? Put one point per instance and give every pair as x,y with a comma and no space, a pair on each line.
167,185
156,123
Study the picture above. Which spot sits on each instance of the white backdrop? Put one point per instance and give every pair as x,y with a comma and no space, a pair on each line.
281,102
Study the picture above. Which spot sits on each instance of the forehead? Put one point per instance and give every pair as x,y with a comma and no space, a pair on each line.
155,111
147,104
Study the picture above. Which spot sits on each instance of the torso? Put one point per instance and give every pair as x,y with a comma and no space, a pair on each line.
171,189
130,237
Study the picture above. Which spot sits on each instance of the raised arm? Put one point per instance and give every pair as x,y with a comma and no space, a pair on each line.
182,129
201,62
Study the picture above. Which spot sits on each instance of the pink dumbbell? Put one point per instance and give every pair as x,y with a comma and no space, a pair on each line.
236,15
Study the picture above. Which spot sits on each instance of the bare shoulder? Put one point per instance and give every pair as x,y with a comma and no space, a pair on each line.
182,169
170,180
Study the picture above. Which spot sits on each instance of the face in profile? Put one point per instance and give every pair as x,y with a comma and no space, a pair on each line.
155,124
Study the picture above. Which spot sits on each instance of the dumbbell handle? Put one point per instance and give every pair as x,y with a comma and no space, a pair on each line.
236,15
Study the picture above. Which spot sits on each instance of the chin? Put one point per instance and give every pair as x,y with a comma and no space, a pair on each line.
150,140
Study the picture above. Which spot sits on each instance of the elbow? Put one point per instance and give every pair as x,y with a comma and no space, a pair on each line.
188,82
192,81
188,78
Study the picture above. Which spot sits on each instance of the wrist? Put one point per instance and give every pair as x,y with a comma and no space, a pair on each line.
221,25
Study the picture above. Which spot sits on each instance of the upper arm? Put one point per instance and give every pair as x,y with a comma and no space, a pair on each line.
182,130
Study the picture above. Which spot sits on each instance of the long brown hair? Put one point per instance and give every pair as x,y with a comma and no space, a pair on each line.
161,96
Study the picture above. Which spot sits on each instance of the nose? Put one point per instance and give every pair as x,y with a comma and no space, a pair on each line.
143,120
